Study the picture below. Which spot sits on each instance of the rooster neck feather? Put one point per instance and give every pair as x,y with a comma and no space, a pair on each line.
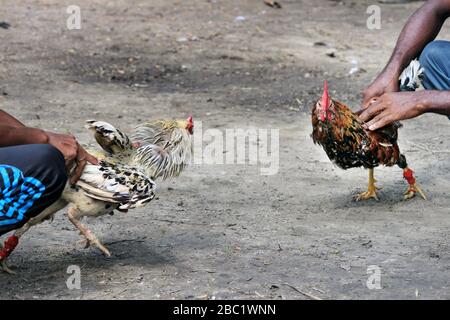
166,148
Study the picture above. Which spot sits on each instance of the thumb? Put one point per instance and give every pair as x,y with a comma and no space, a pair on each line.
91,159
358,113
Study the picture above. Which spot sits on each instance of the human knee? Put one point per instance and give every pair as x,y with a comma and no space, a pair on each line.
52,160
434,51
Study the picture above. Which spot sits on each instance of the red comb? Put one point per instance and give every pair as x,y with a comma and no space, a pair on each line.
190,120
325,97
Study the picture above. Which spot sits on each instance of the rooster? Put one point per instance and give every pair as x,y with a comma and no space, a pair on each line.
124,177
341,134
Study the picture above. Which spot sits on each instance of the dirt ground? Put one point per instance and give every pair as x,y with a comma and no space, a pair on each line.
226,231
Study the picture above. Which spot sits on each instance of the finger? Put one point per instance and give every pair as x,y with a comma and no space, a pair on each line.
373,110
83,154
365,105
71,153
69,164
91,159
358,113
373,120
380,124
370,125
78,171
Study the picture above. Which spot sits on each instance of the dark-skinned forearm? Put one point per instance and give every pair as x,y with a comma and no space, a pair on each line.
422,27
434,101
8,120
12,136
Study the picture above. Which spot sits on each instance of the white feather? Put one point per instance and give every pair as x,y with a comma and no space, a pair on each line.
411,77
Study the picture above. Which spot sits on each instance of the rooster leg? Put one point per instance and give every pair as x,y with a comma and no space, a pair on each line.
13,240
91,238
11,243
5,267
413,188
372,189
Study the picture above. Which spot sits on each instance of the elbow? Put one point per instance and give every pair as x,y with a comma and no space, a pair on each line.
439,8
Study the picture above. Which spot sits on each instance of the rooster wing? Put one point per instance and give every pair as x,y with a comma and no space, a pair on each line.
117,183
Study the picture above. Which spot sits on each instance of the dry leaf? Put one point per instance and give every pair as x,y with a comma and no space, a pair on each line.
273,4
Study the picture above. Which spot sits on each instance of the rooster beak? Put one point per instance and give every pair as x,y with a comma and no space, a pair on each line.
325,96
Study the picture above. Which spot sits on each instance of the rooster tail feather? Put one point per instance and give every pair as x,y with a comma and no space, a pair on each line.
111,139
411,77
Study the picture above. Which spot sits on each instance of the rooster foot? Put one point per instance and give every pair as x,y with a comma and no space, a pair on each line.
371,189
412,190
94,241
5,267
91,239
371,193
102,248
84,243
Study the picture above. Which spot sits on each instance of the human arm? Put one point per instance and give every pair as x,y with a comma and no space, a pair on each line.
396,106
9,120
13,132
422,27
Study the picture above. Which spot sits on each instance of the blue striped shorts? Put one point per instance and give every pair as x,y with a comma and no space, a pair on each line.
32,177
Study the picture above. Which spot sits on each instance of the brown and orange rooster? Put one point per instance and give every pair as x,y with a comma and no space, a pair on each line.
341,134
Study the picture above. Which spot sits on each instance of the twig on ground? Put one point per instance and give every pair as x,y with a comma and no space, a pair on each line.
311,296
182,222
125,240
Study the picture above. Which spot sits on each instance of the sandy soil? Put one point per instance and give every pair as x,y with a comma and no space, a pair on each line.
225,231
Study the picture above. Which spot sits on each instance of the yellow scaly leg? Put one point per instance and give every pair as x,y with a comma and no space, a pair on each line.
372,189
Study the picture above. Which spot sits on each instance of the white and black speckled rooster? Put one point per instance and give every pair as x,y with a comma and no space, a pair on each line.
123,179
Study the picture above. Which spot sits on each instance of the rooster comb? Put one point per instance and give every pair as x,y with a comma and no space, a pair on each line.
325,96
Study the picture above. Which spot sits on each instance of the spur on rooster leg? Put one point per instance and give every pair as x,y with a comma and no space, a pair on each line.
348,144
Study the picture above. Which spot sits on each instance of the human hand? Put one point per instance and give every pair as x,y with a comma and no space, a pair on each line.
386,82
391,107
73,153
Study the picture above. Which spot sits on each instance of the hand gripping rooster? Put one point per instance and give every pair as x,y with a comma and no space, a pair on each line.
341,134
123,179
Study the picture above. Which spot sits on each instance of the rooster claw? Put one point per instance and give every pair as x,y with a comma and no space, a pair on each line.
367,195
102,248
84,243
105,251
5,267
412,190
